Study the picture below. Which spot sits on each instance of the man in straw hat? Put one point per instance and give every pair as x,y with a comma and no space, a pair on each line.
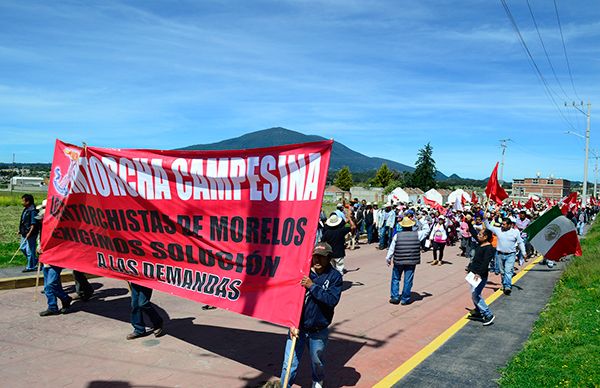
323,292
334,234
405,252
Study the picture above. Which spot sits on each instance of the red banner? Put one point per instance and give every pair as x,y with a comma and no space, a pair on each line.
233,229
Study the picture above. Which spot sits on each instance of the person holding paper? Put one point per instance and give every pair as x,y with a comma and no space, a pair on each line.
479,267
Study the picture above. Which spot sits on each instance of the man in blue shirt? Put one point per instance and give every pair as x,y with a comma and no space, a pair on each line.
323,291
509,238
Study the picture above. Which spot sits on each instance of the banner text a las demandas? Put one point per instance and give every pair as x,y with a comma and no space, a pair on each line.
234,229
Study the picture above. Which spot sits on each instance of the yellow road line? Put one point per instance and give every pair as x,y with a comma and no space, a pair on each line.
422,354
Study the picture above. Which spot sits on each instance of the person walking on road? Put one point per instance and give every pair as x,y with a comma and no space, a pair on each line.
439,237
334,234
405,253
140,302
479,266
323,292
508,238
52,283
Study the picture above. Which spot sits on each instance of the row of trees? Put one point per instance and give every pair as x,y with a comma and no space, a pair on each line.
423,177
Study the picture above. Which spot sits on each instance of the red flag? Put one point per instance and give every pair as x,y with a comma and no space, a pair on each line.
218,227
569,202
494,191
462,200
514,204
529,205
434,204
474,198
519,204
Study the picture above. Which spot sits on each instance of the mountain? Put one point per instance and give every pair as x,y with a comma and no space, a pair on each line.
340,154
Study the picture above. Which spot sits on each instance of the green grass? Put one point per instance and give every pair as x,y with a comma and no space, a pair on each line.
9,239
564,347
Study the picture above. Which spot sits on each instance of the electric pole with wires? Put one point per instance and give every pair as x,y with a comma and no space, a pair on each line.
503,145
587,148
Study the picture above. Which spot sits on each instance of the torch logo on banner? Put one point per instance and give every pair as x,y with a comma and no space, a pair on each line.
62,183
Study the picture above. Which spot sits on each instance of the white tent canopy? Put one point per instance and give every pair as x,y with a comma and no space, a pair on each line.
398,195
457,193
434,195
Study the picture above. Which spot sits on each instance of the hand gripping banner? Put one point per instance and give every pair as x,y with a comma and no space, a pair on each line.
233,229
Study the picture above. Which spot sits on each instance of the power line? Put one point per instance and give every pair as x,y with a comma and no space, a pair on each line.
565,50
533,63
545,51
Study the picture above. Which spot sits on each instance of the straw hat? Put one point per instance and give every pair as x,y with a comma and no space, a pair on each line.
407,223
333,220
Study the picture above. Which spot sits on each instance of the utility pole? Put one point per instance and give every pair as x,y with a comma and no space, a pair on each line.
587,147
596,156
503,146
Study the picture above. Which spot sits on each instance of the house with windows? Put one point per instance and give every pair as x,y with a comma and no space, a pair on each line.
552,188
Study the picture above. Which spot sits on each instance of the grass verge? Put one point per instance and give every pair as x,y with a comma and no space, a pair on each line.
563,349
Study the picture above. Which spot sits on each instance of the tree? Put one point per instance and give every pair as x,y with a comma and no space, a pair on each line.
424,175
383,176
401,179
343,179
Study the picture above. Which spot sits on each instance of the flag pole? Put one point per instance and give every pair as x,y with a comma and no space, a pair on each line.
289,362
14,254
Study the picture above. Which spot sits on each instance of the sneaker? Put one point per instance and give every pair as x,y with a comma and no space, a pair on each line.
28,270
135,335
435,262
550,264
394,301
159,331
440,262
488,320
317,384
507,291
47,313
475,314
405,303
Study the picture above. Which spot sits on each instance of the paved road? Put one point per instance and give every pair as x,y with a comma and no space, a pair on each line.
473,356
369,339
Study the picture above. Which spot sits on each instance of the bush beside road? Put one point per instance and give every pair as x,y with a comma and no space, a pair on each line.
564,346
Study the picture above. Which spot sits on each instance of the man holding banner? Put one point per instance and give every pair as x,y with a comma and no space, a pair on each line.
323,291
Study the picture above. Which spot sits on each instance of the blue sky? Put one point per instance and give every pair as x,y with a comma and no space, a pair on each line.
382,77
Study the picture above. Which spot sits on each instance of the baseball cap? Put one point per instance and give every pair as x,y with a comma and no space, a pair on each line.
322,249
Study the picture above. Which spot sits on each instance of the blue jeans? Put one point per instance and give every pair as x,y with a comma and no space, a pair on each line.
53,287
317,341
409,274
384,241
370,233
140,302
580,226
496,268
478,300
28,248
507,265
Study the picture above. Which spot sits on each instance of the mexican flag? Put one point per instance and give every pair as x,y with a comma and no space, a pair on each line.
554,235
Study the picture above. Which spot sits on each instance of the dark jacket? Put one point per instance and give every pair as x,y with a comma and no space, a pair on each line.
320,299
28,219
481,261
369,217
408,248
336,237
